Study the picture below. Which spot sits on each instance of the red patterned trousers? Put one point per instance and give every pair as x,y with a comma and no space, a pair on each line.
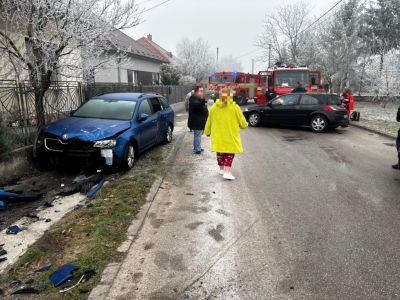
225,159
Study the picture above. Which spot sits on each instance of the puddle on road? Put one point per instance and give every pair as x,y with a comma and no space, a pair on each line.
216,233
390,144
334,155
291,138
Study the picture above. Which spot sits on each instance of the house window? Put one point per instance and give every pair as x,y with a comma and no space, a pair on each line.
156,78
131,76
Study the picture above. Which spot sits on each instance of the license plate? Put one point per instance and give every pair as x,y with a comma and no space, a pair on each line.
106,153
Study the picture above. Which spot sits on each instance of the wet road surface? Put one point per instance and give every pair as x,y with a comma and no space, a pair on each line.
310,216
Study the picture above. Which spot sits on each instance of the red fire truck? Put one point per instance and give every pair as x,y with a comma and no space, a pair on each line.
282,80
244,85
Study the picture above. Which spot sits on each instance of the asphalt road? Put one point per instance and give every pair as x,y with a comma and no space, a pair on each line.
310,216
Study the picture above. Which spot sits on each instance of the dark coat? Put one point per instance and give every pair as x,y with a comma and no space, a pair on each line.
299,89
198,113
398,115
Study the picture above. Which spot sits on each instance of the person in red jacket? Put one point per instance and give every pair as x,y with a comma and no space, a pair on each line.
348,100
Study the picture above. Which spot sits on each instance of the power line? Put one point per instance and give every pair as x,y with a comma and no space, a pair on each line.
302,31
318,19
155,6
145,1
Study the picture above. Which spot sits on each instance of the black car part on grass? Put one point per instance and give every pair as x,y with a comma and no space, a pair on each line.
47,266
81,184
25,290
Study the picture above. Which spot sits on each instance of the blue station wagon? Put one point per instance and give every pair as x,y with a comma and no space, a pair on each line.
113,128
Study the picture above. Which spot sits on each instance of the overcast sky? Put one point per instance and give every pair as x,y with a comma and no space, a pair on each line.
230,25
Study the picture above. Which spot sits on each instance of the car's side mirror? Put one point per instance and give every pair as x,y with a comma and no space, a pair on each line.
143,117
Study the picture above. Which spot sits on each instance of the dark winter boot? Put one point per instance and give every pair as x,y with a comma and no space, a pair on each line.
397,166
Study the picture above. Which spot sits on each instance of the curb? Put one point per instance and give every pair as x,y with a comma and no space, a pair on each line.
373,131
102,289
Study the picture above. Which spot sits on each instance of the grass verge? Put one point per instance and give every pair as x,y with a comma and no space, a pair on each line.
90,235
386,127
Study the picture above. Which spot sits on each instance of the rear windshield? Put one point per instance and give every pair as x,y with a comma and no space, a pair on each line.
333,100
329,99
106,109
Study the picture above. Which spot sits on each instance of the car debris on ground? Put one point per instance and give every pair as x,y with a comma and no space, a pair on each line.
47,266
14,229
63,274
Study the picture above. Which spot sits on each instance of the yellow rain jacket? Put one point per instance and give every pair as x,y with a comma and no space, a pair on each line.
223,124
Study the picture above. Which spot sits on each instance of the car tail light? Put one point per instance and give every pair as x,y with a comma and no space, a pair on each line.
331,108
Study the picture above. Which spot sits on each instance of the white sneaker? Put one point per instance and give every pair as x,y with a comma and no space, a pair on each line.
229,176
221,172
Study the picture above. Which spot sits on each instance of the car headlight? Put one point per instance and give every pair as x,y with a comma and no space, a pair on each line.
105,144
246,109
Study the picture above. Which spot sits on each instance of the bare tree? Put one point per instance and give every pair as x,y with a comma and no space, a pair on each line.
194,58
283,31
42,37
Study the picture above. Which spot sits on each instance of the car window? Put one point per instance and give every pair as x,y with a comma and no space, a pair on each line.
156,105
164,103
308,100
145,108
333,100
106,109
286,100
329,99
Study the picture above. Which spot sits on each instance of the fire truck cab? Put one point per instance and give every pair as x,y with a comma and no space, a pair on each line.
282,80
243,85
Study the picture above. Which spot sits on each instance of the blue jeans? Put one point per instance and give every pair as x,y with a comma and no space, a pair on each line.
197,140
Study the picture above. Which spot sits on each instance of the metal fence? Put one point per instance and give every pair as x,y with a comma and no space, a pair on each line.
17,105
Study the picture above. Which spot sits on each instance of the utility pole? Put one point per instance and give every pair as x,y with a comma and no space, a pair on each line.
269,55
217,57
252,66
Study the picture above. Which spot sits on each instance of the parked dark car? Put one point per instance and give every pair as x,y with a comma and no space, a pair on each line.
110,128
319,111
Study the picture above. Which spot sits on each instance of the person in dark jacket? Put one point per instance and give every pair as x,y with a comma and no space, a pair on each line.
198,114
299,89
397,166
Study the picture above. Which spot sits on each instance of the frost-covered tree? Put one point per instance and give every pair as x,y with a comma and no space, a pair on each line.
43,37
283,30
229,63
382,27
339,45
194,58
187,80
170,74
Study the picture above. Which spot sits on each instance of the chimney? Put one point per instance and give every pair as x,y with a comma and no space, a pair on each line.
150,37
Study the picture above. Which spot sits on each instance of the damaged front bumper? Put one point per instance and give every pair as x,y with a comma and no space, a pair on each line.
93,152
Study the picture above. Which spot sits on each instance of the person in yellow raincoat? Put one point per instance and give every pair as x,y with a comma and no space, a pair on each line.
223,125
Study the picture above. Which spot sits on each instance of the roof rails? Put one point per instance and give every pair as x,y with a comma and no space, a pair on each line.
144,94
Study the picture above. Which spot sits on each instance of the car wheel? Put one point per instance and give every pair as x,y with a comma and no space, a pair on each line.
168,135
129,158
254,119
319,123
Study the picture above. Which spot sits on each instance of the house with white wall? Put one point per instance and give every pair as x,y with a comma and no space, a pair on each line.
139,65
